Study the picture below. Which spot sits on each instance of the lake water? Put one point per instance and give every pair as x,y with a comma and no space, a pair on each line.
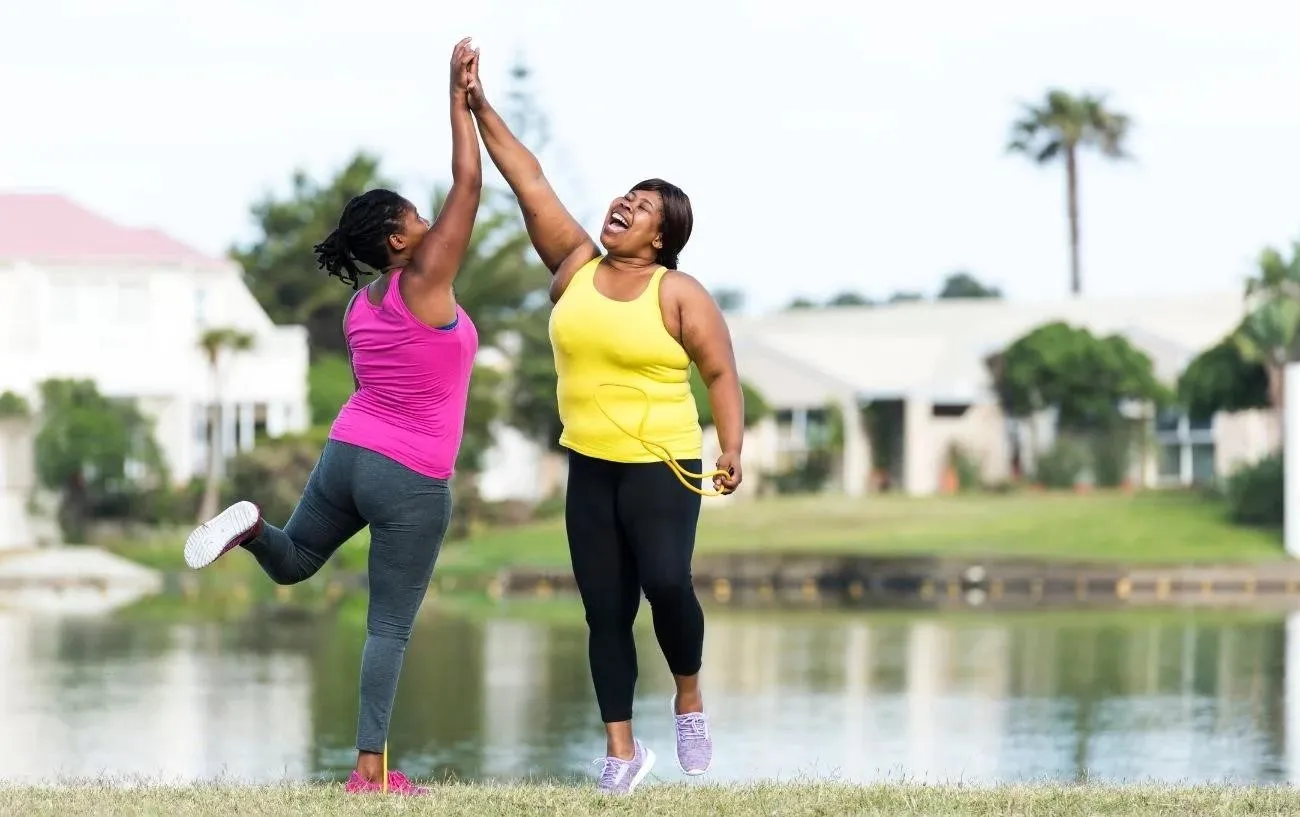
854,696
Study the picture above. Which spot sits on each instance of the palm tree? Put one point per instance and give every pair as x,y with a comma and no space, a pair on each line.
1057,128
215,342
1270,333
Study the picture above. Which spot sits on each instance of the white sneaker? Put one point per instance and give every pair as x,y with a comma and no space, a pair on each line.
226,530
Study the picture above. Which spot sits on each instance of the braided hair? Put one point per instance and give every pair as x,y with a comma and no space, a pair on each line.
362,235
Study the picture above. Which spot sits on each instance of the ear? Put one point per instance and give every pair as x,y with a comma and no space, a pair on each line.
396,242
658,243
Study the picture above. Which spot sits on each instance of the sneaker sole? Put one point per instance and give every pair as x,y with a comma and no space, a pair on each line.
220,533
672,707
645,769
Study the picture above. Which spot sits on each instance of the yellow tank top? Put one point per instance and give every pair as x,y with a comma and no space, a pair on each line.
620,354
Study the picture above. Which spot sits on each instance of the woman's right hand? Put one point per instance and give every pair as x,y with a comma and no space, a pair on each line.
462,57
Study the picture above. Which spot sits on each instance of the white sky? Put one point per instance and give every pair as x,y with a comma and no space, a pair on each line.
826,145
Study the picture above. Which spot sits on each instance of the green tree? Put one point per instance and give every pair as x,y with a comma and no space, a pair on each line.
531,402
905,297
756,407
217,344
1085,378
1222,379
1270,333
965,285
802,303
329,385
729,300
92,450
849,299
279,265
14,405
1056,129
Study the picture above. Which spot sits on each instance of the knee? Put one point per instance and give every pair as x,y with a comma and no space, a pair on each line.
613,618
386,627
669,591
288,579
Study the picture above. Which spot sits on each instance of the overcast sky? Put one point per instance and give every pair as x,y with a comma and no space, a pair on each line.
826,145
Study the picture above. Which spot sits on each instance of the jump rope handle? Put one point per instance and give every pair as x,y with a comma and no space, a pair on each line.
683,476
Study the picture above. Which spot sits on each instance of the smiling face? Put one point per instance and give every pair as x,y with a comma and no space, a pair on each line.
632,225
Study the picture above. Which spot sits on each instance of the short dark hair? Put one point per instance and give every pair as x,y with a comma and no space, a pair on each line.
676,223
362,235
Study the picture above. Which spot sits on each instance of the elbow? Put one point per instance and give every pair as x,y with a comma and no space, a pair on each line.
715,375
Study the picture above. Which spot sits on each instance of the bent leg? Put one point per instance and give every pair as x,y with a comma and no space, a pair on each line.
660,516
323,520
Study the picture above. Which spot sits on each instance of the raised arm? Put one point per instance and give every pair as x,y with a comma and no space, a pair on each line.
556,235
707,340
442,250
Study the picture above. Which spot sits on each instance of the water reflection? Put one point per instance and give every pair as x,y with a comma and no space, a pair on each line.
862,697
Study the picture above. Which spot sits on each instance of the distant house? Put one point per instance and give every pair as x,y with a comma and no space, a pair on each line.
87,298
920,367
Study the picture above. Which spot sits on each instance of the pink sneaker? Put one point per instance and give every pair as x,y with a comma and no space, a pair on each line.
398,783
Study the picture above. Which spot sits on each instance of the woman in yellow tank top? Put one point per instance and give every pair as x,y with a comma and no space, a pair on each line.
626,328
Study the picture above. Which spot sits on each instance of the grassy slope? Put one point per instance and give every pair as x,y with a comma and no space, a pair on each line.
669,801
1150,527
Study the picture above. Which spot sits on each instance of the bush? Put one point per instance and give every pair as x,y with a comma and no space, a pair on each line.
809,477
966,468
1255,493
1061,466
273,474
1111,456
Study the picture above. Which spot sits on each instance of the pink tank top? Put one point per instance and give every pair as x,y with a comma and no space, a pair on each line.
414,384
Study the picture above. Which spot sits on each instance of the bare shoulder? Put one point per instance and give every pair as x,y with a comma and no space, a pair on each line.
683,287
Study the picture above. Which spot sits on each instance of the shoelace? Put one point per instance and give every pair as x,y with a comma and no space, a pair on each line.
692,725
613,771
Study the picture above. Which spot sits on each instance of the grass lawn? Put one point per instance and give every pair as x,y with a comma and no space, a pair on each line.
1152,527
822,799
1148,527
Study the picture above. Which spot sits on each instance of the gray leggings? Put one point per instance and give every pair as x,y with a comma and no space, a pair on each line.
408,514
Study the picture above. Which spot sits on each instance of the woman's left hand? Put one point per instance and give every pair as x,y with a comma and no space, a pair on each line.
731,464
462,62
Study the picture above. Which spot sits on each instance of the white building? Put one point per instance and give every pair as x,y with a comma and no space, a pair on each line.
922,365
126,307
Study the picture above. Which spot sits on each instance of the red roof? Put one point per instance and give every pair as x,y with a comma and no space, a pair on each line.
39,227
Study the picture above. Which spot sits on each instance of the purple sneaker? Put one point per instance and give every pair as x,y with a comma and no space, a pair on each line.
622,776
694,745
232,527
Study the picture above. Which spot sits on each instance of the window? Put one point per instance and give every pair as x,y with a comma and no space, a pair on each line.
1185,449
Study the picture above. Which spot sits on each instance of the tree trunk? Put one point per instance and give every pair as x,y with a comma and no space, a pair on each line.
216,434
1072,212
1277,398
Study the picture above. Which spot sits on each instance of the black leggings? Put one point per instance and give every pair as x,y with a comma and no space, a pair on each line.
631,528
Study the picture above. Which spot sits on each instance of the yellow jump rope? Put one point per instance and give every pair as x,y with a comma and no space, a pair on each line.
683,476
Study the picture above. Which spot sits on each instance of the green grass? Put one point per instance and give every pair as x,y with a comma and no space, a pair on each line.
773,800
1149,527
1153,527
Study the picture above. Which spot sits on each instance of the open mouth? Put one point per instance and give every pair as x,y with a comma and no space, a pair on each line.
617,223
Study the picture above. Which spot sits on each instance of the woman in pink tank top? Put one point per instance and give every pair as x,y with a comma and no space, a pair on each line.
392,449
